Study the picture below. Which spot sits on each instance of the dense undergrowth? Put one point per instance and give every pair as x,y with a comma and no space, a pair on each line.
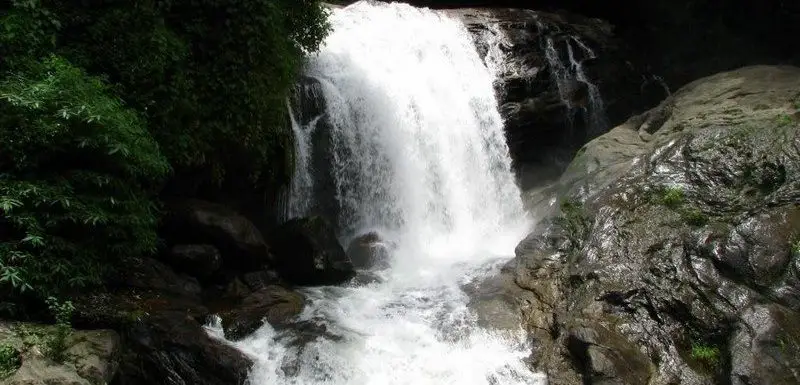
102,102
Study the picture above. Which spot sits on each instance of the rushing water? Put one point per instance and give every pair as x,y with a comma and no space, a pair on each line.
417,154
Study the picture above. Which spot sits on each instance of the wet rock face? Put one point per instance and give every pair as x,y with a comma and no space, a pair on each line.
308,253
674,259
562,79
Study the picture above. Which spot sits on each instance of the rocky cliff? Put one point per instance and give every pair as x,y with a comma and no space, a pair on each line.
671,251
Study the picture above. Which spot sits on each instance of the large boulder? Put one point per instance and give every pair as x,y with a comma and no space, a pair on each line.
370,251
673,255
93,356
171,348
200,261
150,274
272,304
200,222
308,253
158,314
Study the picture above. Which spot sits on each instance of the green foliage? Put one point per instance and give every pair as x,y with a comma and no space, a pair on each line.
101,99
694,217
672,197
707,355
211,75
56,342
784,120
10,360
52,341
675,199
205,83
575,222
76,174
27,32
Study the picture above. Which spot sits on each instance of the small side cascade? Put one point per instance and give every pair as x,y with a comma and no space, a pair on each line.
575,87
306,109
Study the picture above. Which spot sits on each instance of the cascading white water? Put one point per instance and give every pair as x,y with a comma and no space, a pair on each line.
302,181
418,155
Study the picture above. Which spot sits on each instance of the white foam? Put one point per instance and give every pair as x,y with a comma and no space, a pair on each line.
419,155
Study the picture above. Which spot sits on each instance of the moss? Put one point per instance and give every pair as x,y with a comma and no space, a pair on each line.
50,340
671,197
694,217
707,355
575,222
784,120
10,360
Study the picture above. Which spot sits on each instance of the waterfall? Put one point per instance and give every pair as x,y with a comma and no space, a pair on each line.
410,145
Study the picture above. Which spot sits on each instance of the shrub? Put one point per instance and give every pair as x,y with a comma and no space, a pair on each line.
77,177
56,342
10,360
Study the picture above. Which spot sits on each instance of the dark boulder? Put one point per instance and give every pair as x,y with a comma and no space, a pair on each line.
162,341
151,274
156,312
170,348
200,261
370,251
272,304
258,280
199,222
308,253
670,258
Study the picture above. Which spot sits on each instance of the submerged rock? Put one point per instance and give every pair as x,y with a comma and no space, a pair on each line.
272,304
308,253
370,251
674,256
